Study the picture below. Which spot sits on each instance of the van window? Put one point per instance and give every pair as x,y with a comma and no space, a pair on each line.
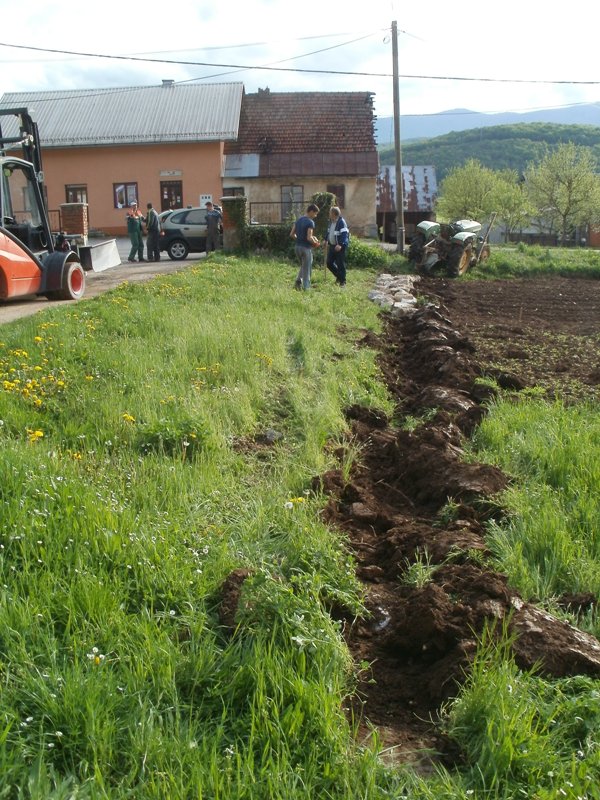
196,216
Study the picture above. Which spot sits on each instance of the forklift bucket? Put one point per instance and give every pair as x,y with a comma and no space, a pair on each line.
99,256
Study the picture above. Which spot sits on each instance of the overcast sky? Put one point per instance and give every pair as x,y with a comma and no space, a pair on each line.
518,55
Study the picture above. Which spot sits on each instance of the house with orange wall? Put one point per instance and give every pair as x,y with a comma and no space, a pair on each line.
109,147
178,145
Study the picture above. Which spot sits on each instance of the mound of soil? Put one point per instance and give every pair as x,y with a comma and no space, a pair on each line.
414,511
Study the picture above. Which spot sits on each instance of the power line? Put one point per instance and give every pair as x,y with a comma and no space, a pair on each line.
301,70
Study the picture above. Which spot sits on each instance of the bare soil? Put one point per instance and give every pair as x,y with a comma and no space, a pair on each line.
420,639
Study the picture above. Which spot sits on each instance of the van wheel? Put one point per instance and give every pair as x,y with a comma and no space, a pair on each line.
178,250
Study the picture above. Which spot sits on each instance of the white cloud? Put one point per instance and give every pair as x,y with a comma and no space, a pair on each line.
512,41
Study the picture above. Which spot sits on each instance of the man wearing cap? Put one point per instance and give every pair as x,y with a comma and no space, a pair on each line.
134,231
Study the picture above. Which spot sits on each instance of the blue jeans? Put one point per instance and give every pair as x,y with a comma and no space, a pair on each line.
305,255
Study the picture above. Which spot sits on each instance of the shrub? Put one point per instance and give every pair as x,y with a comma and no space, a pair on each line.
364,256
268,238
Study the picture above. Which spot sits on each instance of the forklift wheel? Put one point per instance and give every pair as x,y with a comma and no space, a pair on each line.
73,282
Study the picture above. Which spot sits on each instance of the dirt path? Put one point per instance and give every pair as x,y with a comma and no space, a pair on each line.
421,638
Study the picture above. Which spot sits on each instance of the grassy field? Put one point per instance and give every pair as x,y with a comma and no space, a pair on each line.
134,482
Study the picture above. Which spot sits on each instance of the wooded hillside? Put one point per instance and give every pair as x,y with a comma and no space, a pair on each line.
500,147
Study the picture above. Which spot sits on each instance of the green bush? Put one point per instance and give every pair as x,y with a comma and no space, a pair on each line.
268,238
366,256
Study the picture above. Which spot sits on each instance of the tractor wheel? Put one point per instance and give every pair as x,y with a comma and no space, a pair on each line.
415,251
73,282
459,261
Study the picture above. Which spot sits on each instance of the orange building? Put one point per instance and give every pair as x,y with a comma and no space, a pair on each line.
109,147
179,145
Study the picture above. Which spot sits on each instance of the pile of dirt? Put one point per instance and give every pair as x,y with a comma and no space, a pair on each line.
414,510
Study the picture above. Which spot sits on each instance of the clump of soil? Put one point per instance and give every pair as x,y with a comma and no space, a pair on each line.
414,510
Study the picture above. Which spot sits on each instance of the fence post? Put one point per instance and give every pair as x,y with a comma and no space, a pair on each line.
74,219
234,221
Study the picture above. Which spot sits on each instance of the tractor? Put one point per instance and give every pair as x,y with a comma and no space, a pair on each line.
30,262
453,247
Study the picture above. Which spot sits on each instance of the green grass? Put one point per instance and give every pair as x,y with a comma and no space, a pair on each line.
131,486
130,490
550,543
535,261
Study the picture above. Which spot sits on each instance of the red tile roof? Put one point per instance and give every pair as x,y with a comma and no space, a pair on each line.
308,133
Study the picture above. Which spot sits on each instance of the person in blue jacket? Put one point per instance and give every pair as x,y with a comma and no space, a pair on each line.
338,237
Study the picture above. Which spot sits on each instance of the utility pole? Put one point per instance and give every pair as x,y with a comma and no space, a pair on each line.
397,146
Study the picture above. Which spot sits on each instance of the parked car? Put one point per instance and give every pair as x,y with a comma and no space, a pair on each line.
183,231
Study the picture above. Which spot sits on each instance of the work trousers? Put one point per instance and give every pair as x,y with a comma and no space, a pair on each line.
213,241
336,263
152,246
137,245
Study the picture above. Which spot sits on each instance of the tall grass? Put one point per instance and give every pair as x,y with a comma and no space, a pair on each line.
131,486
134,480
550,545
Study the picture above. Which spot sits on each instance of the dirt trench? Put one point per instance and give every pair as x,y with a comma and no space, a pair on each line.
395,510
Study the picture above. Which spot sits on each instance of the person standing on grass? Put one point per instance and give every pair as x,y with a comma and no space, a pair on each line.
338,236
153,227
303,232
134,231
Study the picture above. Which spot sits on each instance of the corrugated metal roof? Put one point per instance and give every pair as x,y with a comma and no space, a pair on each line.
420,188
134,114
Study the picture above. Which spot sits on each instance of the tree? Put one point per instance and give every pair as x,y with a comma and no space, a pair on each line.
511,201
468,192
565,189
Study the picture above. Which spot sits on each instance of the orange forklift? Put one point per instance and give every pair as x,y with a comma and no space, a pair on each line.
30,262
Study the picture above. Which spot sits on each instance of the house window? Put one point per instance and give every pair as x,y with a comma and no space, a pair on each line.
124,194
339,190
235,191
292,200
76,193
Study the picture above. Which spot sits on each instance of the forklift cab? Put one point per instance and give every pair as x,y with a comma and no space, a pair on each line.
22,209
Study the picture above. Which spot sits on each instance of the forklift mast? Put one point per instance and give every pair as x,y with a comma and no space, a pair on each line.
28,138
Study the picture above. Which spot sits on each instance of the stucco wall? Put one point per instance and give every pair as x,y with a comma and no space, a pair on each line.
197,166
360,206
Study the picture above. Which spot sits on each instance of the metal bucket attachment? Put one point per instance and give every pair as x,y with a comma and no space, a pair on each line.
99,256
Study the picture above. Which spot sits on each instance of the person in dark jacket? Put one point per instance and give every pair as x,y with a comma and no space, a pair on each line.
338,237
214,220
153,227
134,231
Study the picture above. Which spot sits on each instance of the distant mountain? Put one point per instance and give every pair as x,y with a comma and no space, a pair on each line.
496,147
461,119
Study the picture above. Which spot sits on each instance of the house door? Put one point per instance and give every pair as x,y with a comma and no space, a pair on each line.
171,195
